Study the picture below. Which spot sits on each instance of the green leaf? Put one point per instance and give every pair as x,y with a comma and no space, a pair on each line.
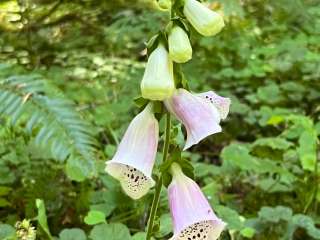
273,142
7,232
78,168
238,155
308,150
165,226
4,202
247,232
140,236
270,94
113,231
94,217
231,217
72,234
4,190
42,217
307,223
276,214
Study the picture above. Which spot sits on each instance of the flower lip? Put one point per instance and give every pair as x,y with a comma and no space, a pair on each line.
221,103
134,182
202,230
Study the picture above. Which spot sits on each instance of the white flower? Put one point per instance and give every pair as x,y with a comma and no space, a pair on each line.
157,82
204,20
180,49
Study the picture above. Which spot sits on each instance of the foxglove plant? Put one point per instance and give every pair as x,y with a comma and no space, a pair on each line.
200,113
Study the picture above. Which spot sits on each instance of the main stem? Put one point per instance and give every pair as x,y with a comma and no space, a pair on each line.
156,197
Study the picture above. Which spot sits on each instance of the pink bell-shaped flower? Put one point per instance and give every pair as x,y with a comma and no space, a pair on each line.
200,115
133,162
193,217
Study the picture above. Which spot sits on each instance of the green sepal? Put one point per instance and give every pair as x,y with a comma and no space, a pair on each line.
140,102
152,44
179,78
178,21
177,8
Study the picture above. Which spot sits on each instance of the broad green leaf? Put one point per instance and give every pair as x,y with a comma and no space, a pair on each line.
231,217
72,234
307,223
113,231
94,217
238,155
273,142
275,214
270,94
139,236
247,232
4,190
4,202
7,232
165,225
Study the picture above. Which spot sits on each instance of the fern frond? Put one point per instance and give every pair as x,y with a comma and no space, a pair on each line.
53,119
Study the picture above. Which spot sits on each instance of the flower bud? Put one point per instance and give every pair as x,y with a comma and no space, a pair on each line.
157,82
164,4
204,20
180,49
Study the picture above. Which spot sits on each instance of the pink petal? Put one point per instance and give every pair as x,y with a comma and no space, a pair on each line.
221,103
198,115
133,162
192,215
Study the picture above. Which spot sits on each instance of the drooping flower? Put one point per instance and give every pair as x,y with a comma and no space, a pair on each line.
157,82
180,49
200,117
204,20
134,159
193,217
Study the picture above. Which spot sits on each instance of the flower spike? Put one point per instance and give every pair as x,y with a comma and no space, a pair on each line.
204,20
193,217
133,162
157,82
200,117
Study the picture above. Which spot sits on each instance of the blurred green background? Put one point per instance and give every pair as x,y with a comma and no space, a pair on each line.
69,71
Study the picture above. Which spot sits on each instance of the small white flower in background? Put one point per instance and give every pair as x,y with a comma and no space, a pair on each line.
180,49
204,20
133,162
25,230
157,82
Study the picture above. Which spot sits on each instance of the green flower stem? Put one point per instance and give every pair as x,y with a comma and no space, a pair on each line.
156,197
